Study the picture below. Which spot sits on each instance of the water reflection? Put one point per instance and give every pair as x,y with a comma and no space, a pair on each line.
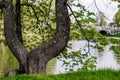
105,59
7,60
118,58
117,55
51,66
2,54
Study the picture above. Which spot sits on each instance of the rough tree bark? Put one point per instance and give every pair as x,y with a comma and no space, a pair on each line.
12,39
35,61
18,20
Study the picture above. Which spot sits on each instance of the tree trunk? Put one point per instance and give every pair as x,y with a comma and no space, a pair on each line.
12,40
35,62
18,20
54,47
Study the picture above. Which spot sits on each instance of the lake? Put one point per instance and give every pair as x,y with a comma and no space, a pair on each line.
105,59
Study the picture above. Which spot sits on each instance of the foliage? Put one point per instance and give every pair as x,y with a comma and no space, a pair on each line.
77,60
42,28
38,26
82,59
117,35
115,49
114,41
38,22
105,74
117,15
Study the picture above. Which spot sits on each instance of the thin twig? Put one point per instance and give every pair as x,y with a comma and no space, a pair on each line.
32,9
99,10
46,16
49,14
80,27
78,23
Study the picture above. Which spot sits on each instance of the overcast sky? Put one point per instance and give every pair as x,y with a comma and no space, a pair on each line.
109,8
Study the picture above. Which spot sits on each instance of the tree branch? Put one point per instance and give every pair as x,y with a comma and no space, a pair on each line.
78,23
49,13
18,21
2,4
32,7
80,27
12,40
56,45
29,5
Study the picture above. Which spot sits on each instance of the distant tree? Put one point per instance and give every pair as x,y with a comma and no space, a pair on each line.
102,19
117,18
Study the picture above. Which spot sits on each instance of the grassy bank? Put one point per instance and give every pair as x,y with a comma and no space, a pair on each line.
117,35
81,75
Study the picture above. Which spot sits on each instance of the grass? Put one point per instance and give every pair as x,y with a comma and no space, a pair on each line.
117,35
80,75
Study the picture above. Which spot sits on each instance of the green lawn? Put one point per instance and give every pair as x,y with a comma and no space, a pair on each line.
81,75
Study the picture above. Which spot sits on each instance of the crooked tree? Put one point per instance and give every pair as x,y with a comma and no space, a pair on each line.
35,61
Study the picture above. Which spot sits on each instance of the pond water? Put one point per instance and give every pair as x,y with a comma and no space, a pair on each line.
105,59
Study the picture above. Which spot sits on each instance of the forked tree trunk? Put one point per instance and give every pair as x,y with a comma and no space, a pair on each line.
35,61
12,40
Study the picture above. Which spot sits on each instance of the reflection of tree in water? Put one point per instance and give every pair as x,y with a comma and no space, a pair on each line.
117,58
51,66
7,60
2,60
117,55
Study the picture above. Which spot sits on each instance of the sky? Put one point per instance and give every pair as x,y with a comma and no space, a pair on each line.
108,7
